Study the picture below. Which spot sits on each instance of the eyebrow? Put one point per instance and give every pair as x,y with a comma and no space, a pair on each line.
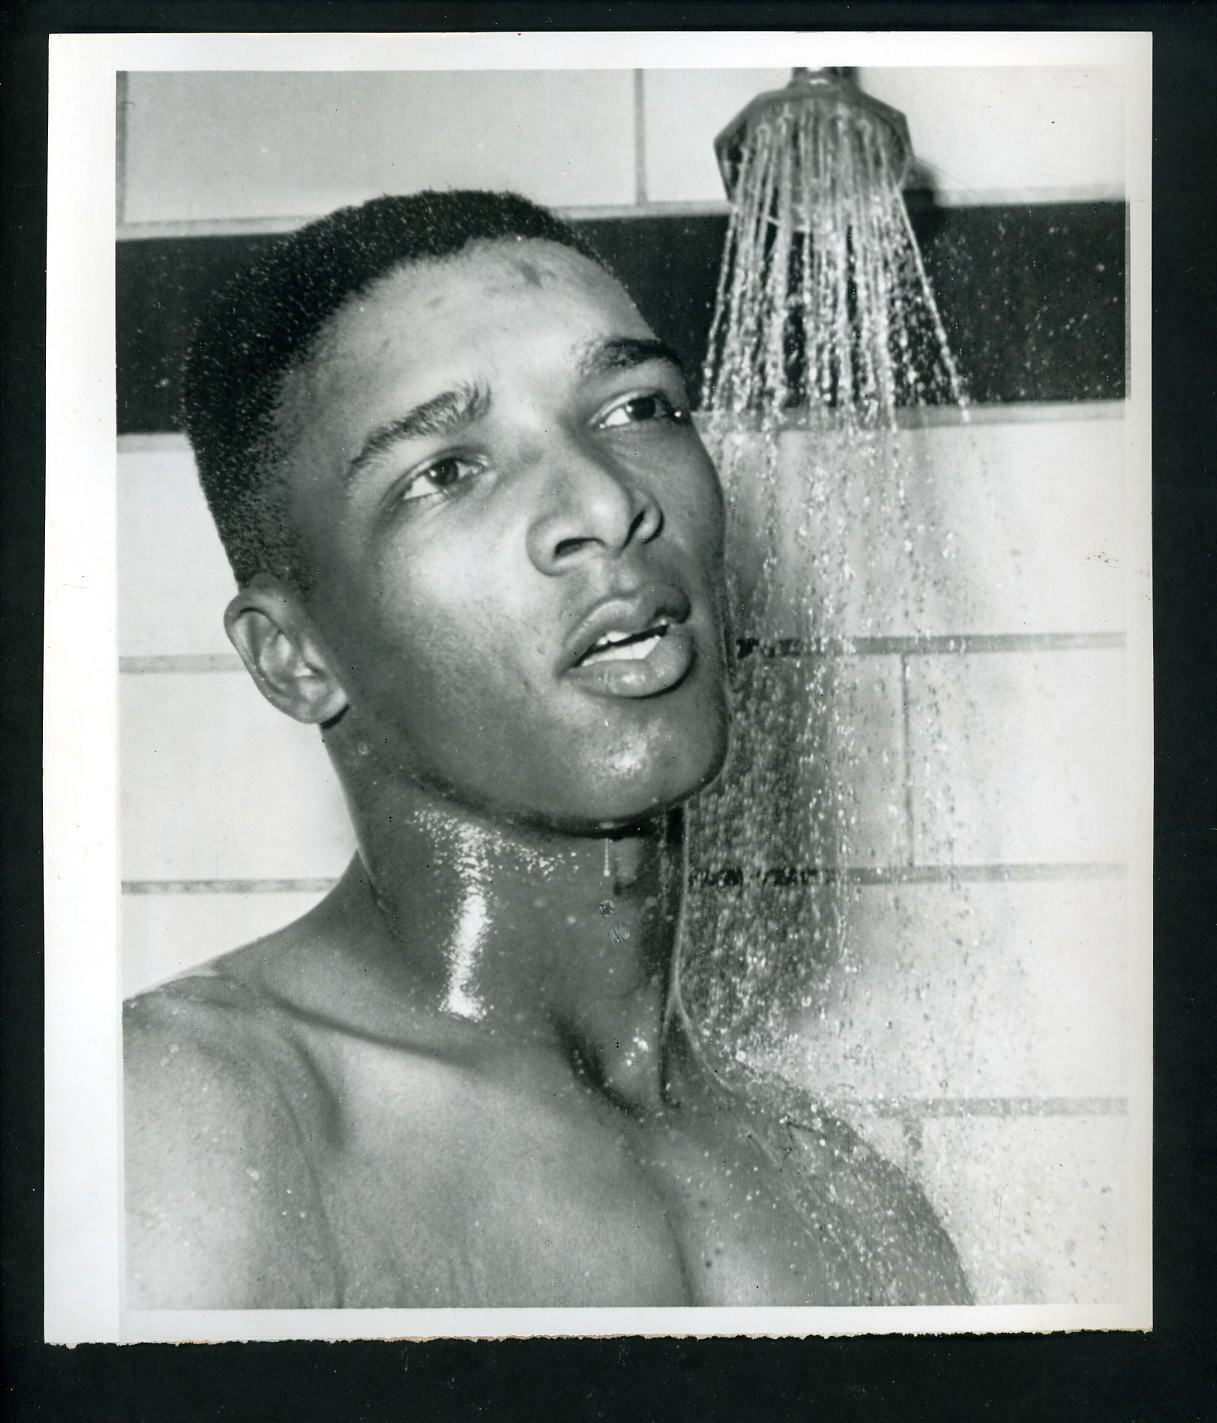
453,409
443,414
619,353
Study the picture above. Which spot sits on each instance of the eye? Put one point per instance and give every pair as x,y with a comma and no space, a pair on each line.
639,409
438,477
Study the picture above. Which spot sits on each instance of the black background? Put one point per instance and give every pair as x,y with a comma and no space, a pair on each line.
1169,1374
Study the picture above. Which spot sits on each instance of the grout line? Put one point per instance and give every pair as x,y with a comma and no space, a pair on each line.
913,418
228,886
905,647
707,207
1018,412
1006,642
939,1108
277,226
914,646
120,147
712,877
734,876
181,662
640,139
191,227
1020,197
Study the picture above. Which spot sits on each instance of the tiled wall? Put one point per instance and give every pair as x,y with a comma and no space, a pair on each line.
292,145
237,146
976,1028
984,1027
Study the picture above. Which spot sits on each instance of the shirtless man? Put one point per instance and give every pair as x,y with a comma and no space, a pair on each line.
478,543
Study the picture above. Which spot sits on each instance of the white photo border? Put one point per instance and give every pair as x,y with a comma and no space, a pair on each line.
83,1242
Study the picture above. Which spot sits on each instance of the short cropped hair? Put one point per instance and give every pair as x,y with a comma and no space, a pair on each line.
266,322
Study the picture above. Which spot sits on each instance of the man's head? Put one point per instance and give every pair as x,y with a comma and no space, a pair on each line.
265,323
482,461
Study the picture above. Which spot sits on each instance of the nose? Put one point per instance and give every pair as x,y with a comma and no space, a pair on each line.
589,506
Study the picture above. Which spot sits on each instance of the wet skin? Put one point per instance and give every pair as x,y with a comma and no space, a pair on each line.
460,1080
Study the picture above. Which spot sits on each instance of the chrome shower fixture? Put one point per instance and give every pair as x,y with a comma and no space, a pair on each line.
836,99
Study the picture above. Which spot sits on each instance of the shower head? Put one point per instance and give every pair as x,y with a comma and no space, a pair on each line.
831,91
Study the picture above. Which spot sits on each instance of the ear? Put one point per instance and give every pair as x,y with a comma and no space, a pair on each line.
268,625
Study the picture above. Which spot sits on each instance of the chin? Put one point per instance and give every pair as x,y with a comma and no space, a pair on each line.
642,783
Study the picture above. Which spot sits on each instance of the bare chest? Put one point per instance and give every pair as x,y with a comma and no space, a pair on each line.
497,1200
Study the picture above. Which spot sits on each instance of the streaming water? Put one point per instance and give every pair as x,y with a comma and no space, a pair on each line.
826,347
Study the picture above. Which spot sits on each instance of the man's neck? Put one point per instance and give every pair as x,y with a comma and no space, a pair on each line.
566,941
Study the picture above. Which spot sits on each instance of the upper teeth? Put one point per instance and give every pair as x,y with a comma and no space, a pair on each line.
625,646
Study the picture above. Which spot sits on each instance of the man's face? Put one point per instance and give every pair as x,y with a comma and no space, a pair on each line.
517,539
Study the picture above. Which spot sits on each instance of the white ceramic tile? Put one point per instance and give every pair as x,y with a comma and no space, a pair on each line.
1018,757
1031,131
1010,527
976,991
683,112
173,578
1033,515
166,934
248,145
1036,1206
216,784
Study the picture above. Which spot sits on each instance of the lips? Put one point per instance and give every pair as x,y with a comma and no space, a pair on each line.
633,645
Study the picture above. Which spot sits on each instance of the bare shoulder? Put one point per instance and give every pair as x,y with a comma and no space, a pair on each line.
222,1113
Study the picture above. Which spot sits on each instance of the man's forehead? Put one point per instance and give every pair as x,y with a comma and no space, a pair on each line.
490,266
433,323
445,308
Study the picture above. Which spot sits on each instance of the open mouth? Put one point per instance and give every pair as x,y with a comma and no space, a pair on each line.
637,643
616,646
655,659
